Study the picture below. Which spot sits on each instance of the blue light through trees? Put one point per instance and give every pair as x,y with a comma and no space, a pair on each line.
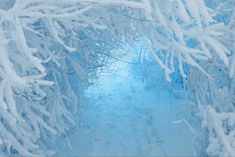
128,114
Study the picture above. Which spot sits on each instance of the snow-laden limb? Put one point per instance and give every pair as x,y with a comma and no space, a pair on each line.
21,119
175,31
214,106
22,73
221,132
220,128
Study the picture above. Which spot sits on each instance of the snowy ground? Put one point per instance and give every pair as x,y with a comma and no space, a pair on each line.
121,118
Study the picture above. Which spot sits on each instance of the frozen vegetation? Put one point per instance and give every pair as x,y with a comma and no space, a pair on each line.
117,77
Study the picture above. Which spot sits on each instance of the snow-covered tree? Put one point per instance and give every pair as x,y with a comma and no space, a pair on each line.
46,44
